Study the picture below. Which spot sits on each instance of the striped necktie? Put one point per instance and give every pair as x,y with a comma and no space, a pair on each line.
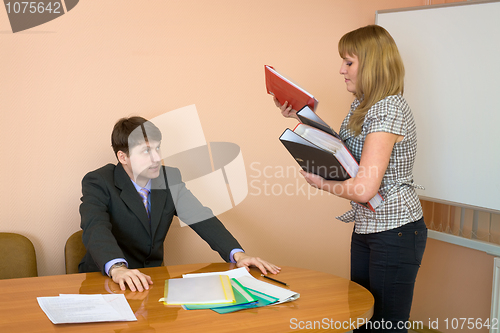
144,193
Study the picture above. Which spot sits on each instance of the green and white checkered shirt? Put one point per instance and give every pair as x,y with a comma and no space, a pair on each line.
401,204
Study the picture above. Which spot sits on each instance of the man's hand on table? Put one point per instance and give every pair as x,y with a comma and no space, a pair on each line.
244,260
134,279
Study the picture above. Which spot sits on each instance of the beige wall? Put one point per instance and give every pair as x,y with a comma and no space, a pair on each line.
65,83
453,282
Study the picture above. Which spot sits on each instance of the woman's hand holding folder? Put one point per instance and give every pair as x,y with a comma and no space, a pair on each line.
286,110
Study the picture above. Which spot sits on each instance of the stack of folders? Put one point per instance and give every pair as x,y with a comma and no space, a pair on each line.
223,292
319,149
315,146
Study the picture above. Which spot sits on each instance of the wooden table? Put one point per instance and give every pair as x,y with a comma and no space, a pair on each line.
326,302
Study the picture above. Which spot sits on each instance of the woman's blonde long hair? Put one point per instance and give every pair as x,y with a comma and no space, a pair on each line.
380,69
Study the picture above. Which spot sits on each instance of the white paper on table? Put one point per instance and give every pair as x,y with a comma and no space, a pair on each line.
232,273
72,309
248,281
117,301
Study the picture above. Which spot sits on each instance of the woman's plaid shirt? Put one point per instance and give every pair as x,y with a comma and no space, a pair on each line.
401,204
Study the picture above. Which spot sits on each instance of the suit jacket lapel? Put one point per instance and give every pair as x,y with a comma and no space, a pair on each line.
130,196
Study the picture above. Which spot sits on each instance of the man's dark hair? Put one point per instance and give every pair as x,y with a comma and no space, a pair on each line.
129,132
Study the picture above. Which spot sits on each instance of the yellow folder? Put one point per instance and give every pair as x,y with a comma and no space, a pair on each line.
214,289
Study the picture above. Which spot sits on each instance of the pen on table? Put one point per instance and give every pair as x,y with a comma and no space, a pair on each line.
270,278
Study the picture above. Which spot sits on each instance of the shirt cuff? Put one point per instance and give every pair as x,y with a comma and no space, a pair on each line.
231,255
110,263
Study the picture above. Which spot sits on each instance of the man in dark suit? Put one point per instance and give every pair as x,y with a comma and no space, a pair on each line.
128,208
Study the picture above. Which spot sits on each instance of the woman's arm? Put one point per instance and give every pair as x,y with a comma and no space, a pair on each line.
375,158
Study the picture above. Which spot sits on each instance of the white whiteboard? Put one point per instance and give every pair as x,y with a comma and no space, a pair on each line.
452,84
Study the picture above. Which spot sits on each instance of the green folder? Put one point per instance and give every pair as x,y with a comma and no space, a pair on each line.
241,295
262,298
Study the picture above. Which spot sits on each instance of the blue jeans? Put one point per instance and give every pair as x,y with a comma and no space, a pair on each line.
386,263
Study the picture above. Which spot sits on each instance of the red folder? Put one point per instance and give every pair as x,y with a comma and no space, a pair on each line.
285,90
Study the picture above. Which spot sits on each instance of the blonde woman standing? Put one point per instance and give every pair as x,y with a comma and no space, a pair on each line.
387,245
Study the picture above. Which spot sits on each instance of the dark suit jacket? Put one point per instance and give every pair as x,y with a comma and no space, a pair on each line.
115,222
